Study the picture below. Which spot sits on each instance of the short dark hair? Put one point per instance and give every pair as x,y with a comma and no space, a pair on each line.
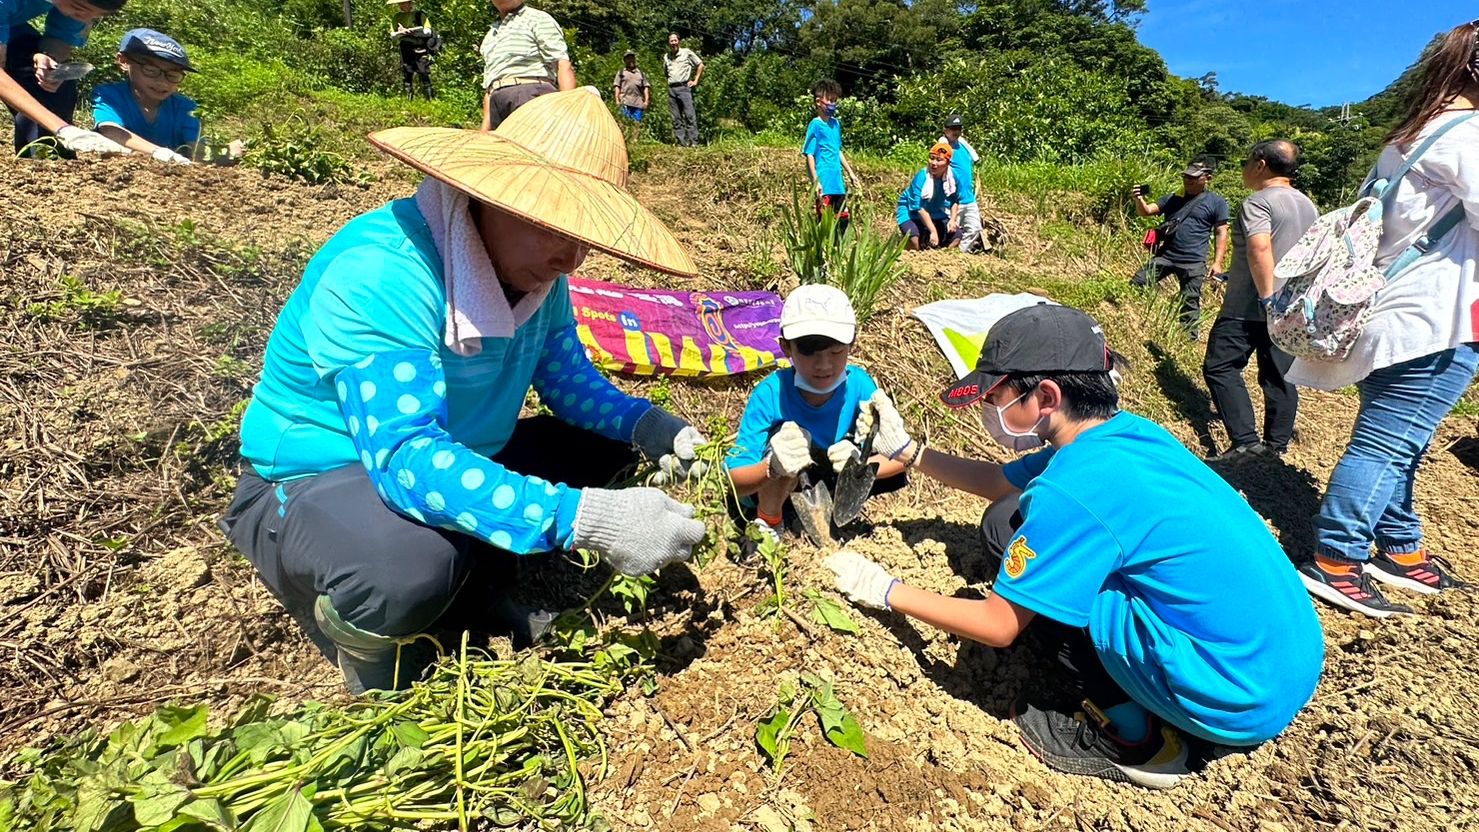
1281,155
1085,395
826,88
813,344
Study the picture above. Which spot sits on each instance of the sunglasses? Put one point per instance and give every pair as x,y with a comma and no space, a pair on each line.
174,76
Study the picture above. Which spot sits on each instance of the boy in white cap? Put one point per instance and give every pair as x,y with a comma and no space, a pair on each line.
806,414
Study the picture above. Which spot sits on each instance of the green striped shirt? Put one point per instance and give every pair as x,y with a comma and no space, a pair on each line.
527,43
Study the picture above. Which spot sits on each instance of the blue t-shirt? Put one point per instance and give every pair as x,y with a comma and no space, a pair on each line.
777,399
356,372
824,141
964,168
58,25
938,204
1193,607
174,126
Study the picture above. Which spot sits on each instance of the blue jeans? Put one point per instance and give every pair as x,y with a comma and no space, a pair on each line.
1369,498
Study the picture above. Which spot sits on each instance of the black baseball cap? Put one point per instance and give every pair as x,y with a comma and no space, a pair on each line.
1045,338
954,121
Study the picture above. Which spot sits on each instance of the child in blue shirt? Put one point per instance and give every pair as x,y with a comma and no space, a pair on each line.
145,112
929,209
822,147
41,103
805,414
1157,585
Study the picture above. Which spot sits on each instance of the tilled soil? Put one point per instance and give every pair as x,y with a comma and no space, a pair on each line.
117,593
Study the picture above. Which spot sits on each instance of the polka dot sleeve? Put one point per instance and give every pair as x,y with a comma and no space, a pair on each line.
571,386
394,404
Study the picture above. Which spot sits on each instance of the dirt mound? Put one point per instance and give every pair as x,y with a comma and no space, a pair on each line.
137,300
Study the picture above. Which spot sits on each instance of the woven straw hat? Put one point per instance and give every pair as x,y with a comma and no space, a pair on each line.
558,162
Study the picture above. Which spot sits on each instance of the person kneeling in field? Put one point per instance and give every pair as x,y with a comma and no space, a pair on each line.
929,209
1159,588
804,414
146,113
385,458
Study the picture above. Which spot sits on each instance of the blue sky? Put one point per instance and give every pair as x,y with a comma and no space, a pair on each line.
1316,52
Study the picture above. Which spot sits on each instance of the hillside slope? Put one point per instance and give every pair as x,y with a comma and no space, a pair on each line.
136,303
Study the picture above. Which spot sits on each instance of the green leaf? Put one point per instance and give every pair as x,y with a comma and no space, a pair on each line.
407,759
768,732
156,803
829,612
291,812
846,734
409,734
176,726
211,813
254,709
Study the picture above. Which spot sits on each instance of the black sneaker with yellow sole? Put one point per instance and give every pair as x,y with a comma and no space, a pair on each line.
1084,744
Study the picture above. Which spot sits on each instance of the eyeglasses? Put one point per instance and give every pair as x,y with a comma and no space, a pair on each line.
174,76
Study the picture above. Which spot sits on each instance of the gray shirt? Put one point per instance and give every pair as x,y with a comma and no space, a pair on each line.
1284,214
679,68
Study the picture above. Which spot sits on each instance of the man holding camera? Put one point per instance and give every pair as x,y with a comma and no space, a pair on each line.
1181,241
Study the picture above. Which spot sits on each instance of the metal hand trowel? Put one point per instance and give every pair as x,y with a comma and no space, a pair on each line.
813,505
855,483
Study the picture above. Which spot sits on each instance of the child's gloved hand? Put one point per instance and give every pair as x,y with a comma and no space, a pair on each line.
841,453
790,451
77,140
861,580
893,440
164,154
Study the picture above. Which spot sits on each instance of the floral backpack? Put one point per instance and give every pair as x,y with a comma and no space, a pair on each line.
1329,279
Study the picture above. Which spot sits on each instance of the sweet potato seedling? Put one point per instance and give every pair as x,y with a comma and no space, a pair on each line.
793,701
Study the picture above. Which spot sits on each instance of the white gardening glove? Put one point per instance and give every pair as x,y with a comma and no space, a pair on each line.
164,154
893,440
861,580
672,443
790,451
77,140
637,530
841,453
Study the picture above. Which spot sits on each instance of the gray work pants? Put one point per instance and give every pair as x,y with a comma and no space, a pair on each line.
685,118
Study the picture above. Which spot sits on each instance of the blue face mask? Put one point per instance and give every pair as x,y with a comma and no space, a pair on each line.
803,384
830,108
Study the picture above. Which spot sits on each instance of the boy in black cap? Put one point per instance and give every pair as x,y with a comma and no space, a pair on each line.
1137,562
40,103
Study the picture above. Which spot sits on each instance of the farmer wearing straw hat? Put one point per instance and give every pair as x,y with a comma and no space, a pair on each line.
384,449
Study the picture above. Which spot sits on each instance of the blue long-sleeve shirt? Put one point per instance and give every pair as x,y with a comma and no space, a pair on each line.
58,25
356,372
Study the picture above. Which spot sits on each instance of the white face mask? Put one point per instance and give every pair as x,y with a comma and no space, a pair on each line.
803,384
1005,436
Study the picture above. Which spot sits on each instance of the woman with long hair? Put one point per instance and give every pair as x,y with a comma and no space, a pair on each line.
1417,354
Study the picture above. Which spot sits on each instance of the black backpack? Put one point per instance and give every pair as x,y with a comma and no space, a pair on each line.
433,43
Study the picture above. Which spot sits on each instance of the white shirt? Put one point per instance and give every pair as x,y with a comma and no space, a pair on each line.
1434,305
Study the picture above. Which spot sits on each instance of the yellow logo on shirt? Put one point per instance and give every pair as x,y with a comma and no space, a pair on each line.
1017,556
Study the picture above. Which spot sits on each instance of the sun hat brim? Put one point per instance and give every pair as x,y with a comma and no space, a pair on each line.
500,172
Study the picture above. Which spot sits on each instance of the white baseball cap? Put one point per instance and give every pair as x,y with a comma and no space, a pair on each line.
818,309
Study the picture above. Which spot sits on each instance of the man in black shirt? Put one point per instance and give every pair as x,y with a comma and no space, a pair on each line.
1192,218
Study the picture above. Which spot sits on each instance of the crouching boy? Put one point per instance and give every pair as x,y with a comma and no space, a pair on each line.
145,112
1163,593
804,417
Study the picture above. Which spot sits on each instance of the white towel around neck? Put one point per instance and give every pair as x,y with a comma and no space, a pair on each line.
476,306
